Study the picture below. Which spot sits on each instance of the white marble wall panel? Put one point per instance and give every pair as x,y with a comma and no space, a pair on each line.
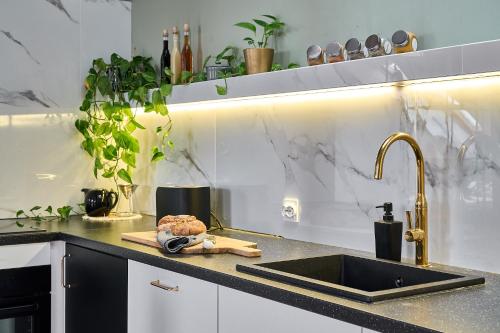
190,162
323,152
45,51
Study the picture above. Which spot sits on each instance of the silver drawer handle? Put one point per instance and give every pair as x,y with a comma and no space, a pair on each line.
158,284
63,271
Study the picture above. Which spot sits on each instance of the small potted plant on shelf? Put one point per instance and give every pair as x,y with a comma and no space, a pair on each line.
259,58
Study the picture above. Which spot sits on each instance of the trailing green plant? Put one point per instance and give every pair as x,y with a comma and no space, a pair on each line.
269,28
38,215
109,121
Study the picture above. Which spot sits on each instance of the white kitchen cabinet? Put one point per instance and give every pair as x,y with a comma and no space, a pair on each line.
163,301
58,293
245,313
24,255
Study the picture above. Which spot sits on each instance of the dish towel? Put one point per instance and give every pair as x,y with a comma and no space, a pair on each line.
174,244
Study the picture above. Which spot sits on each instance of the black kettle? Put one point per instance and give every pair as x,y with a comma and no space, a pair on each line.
99,202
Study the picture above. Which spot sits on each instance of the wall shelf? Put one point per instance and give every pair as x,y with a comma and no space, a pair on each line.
476,58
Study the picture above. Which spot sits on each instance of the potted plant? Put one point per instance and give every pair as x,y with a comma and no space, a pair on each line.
108,124
259,58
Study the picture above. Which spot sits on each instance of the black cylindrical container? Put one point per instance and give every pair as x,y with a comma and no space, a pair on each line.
388,235
184,200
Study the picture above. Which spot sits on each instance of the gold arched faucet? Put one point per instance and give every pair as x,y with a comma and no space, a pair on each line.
420,233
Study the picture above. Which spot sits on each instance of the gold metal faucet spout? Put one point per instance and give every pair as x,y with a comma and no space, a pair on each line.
420,233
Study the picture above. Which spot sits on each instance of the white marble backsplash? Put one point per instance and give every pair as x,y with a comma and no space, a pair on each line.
322,151
46,47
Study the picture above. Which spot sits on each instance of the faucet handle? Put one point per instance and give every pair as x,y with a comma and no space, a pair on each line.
408,219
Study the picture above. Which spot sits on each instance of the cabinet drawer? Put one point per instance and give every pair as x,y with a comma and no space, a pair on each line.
245,313
24,255
163,301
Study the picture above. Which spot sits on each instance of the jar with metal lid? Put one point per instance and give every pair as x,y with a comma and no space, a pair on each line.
404,41
378,46
334,52
315,55
355,50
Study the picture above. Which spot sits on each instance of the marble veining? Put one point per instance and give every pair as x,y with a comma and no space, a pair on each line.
18,42
23,98
60,6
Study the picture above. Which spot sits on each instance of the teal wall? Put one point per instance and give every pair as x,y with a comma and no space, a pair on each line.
437,23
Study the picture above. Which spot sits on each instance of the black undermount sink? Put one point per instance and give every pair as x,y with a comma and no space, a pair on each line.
362,279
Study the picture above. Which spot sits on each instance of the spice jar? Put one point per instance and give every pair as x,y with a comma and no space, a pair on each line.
334,52
377,46
315,55
404,41
355,50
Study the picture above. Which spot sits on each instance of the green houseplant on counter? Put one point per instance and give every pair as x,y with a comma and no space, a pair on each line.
109,121
259,57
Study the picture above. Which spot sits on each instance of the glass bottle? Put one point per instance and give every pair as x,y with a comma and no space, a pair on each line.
175,58
187,54
165,59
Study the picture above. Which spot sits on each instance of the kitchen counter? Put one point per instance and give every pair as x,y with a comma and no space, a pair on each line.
472,309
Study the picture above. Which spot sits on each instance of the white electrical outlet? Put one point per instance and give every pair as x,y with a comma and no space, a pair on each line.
290,210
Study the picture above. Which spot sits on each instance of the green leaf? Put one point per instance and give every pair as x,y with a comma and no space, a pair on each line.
293,65
247,25
168,72
261,23
108,109
90,80
104,85
158,103
138,125
97,166
109,173
82,125
149,77
148,107
128,158
157,155
85,105
221,90
166,89
140,94
99,63
88,146
271,17
19,213
103,129
186,76
19,224
249,40
170,144
159,129
35,208
110,153
49,209
64,212
130,127
124,175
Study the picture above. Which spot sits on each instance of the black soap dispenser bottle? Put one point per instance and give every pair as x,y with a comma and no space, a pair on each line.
388,235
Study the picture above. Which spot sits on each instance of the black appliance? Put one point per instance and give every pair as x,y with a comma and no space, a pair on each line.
25,300
184,200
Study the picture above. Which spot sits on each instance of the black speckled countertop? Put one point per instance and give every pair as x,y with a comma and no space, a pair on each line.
473,309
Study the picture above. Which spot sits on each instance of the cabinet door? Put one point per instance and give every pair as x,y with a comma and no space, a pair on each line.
96,291
244,313
164,301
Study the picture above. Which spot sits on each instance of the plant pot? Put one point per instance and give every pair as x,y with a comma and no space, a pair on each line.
258,60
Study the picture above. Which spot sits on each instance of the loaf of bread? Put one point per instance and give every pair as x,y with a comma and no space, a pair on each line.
181,225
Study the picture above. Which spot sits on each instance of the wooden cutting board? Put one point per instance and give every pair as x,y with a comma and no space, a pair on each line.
222,245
